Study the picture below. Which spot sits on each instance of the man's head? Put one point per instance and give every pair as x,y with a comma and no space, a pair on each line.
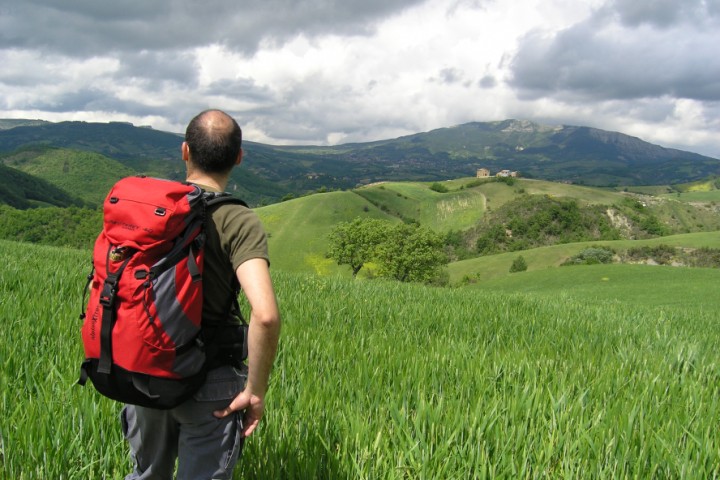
213,141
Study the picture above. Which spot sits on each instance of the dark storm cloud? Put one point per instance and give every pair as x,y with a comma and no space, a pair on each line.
632,50
91,27
663,13
157,68
240,89
78,100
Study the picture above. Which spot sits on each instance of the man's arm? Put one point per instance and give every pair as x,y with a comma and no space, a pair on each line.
264,332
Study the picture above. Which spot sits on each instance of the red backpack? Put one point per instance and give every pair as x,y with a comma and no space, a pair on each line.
142,332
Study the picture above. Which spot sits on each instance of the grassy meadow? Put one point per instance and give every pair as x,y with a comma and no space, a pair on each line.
379,380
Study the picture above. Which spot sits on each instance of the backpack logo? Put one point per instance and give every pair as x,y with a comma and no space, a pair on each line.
143,342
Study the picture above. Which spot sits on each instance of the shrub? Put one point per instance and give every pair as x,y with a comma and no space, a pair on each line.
661,254
438,187
518,265
591,256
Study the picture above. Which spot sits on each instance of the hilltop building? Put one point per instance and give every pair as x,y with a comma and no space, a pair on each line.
484,173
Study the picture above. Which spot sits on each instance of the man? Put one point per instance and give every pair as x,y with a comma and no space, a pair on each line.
206,433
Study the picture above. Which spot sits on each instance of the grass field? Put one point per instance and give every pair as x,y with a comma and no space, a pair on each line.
379,380
649,286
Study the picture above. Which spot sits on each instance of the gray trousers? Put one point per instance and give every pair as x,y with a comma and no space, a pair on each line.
205,447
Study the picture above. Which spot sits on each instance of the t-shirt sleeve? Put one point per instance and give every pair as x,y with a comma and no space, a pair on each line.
242,235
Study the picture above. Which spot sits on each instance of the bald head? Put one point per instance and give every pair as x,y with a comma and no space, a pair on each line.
214,140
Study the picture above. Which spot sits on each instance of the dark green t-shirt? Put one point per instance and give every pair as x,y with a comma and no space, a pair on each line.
234,235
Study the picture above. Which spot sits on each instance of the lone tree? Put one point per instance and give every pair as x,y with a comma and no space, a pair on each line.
354,243
411,253
404,252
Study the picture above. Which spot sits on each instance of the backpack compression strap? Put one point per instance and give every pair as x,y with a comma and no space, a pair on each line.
107,300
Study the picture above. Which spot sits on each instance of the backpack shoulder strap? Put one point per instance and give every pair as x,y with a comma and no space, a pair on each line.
217,198
213,199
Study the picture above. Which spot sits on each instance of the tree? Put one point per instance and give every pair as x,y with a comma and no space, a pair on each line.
355,243
411,253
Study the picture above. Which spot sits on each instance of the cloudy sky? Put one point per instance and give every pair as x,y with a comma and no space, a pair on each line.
337,71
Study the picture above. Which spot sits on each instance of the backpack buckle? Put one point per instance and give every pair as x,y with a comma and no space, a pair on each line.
107,296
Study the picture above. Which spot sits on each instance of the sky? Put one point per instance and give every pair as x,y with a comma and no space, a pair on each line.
328,72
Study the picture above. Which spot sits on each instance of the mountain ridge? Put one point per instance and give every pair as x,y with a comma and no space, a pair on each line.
571,154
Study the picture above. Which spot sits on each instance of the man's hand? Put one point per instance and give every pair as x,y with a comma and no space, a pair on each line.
254,407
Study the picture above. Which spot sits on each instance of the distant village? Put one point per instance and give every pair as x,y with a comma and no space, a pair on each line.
484,173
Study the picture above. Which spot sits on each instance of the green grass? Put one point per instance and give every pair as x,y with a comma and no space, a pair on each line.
586,195
698,196
378,380
650,286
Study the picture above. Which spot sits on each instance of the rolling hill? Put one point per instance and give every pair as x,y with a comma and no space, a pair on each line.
579,155
21,190
299,228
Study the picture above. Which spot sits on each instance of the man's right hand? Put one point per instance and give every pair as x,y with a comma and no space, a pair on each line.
254,407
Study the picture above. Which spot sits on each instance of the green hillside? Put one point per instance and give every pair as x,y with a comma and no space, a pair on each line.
21,190
299,228
87,175
453,210
494,267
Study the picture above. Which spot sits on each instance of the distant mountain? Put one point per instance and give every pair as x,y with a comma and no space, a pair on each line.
562,153
19,122
571,154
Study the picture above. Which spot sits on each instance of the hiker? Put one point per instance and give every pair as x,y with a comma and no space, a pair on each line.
206,433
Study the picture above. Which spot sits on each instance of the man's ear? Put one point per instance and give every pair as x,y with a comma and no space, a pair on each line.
238,160
185,149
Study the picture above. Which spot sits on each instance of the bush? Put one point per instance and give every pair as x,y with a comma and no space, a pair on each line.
705,257
509,181
591,256
518,265
661,254
438,187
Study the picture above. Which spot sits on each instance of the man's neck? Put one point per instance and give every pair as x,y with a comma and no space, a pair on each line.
215,182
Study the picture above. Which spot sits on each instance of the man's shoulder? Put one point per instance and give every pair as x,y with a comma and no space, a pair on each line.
231,217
